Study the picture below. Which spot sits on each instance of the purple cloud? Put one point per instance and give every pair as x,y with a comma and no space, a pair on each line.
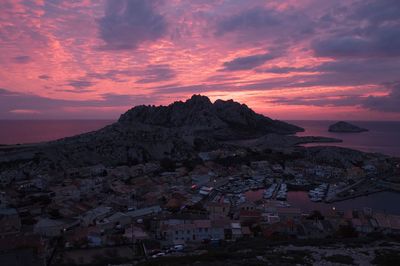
22,59
256,18
372,30
128,23
386,103
77,84
45,77
248,62
11,104
382,42
157,73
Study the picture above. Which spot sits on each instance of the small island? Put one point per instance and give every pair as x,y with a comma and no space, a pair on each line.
345,127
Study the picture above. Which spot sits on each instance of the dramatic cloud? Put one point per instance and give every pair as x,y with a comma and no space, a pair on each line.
151,74
78,86
45,77
257,18
268,24
128,23
382,42
386,103
22,104
157,73
389,102
22,59
284,70
374,32
248,62
288,59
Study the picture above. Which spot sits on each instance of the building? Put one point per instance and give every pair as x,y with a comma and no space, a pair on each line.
139,213
10,222
218,210
183,231
53,228
94,215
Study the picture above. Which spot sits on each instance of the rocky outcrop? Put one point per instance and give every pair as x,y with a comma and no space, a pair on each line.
198,116
345,127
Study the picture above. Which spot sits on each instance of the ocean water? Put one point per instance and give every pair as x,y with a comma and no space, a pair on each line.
380,202
382,137
33,131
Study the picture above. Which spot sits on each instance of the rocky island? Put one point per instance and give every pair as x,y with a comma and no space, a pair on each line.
345,127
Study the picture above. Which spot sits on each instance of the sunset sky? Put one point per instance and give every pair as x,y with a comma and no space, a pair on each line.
294,59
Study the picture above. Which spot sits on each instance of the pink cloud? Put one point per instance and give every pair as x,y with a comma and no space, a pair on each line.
287,57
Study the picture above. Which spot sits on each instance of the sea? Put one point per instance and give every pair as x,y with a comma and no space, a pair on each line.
34,131
382,137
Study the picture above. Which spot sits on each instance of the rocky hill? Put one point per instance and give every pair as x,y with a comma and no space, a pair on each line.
200,117
144,133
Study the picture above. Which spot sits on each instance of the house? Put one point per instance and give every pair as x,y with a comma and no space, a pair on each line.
220,229
117,219
10,222
236,230
92,215
387,223
8,176
285,228
249,217
52,227
271,218
174,204
31,250
94,239
67,192
139,213
288,213
133,233
205,191
78,237
362,225
90,186
218,210
246,232
394,221
36,184
3,200
182,231
200,180
247,206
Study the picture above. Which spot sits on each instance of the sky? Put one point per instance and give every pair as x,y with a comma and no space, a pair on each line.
294,59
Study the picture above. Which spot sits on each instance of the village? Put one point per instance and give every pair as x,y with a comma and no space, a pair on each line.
164,208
